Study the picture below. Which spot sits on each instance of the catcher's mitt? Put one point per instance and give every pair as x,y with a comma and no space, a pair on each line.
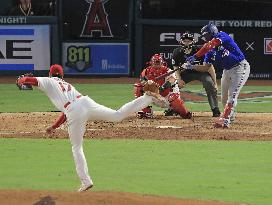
24,86
151,88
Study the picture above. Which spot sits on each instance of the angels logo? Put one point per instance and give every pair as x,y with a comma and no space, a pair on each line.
96,20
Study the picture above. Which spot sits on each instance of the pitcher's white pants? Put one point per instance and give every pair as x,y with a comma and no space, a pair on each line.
84,109
232,82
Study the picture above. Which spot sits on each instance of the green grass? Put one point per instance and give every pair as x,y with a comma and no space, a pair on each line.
217,170
233,171
14,100
114,96
244,105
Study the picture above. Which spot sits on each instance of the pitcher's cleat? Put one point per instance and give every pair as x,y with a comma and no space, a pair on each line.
85,187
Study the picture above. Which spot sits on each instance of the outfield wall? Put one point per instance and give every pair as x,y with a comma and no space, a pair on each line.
93,38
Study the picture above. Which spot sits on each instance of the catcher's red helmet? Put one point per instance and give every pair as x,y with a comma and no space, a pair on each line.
56,69
156,60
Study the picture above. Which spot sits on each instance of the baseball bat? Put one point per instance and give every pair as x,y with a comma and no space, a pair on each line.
167,74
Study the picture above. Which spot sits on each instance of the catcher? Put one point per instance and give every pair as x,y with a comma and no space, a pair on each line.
203,73
167,95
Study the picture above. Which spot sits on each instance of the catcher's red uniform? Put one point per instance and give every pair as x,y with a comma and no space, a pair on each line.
151,73
168,90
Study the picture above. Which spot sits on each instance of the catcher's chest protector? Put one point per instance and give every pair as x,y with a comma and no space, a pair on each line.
165,92
152,73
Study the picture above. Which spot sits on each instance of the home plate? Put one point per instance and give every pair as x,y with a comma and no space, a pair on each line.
168,126
95,129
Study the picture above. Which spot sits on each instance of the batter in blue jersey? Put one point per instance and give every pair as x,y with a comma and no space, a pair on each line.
227,54
221,51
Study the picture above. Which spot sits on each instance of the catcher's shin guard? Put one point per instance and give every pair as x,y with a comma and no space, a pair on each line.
138,90
177,104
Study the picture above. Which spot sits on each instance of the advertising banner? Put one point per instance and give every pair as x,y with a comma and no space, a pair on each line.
24,47
96,58
253,37
99,19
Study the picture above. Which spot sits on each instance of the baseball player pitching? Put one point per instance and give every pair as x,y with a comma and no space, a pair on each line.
221,51
168,88
77,109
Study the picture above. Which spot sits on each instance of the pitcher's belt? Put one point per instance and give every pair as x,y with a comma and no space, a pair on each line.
68,103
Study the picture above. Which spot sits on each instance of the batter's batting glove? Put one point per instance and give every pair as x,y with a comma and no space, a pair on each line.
191,59
188,66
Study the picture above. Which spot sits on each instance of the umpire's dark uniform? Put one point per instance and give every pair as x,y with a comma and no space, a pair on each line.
187,76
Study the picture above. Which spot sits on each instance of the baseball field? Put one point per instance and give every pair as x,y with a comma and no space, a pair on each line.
165,160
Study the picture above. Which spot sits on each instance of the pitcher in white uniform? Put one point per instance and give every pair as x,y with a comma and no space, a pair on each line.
77,109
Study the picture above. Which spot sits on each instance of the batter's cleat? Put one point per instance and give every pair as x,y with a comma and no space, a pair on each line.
216,112
221,123
85,187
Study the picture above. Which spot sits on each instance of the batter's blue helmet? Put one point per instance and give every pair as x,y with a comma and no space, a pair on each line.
209,31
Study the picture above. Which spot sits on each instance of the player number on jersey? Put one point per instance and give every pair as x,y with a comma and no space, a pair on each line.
65,86
225,53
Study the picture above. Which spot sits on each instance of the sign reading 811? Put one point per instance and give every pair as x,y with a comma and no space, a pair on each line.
96,58
78,58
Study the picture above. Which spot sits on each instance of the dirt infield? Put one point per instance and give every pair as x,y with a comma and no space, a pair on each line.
96,198
248,126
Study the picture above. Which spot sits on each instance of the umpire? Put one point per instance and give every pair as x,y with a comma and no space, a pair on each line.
187,48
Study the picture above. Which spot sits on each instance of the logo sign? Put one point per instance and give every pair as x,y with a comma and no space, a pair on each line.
96,22
250,46
78,57
13,20
172,39
96,58
268,46
24,47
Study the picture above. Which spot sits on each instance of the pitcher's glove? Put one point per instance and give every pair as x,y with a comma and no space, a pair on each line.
24,86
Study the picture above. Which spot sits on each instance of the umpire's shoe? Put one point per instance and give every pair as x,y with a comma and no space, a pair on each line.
216,112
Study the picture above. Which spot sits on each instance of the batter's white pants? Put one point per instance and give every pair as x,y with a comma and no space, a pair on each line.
232,82
84,109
